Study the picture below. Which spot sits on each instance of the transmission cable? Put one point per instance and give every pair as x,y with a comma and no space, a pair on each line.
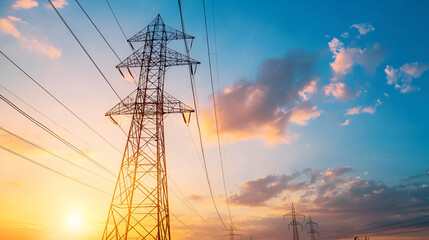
58,101
53,154
197,119
83,48
48,130
99,32
186,225
52,170
54,122
215,111
116,19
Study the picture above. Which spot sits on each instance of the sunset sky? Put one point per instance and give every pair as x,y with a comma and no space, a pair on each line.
321,103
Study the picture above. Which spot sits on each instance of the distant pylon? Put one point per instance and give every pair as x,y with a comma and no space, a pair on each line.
294,223
231,234
311,223
139,206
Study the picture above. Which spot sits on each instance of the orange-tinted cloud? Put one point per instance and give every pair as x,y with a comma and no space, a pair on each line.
59,3
301,115
25,4
7,27
16,19
40,47
340,91
369,109
308,91
345,123
33,44
265,108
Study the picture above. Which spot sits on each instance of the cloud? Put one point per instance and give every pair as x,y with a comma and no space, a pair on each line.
7,27
363,28
346,58
265,108
335,191
40,47
353,111
345,35
308,91
340,91
360,109
16,19
196,197
339,200
25,4
301,115
345,123
33,44
16,183
257,192
371,58
402,78
59,3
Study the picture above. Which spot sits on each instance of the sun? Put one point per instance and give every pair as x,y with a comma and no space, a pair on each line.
75,221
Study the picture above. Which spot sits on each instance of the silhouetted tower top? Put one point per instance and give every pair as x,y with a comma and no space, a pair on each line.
231,234
294,223
312,232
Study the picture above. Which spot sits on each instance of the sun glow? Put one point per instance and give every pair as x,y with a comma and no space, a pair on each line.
74,221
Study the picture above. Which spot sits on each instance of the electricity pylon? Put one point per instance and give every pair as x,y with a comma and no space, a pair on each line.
294,223
231,234
139,207
311,223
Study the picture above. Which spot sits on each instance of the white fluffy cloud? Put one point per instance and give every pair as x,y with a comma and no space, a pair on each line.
402,78
363,28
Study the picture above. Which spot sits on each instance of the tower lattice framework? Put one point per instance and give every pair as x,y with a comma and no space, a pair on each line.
312,231
294,223
139,206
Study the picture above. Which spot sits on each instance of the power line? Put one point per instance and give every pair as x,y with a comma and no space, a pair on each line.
58,101
101,34
52,170
50,119
116,19
194,97
98,30
53,154
215,111
186,225
83,183
84,49
48,130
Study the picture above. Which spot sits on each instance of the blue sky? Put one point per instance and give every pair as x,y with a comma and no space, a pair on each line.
337,87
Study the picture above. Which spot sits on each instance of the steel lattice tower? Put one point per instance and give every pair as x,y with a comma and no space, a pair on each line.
311,223
139,207
294,223
230,233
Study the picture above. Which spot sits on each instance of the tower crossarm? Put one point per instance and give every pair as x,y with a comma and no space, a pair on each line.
171,34
155,29
171,58
128,106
